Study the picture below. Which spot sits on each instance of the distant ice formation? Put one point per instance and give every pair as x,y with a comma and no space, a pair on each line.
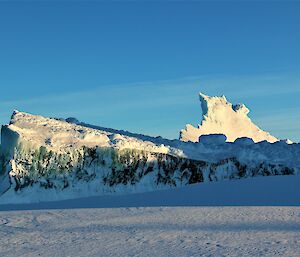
49,159
221,117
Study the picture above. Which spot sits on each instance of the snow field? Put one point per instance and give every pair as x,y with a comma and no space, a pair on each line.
168,231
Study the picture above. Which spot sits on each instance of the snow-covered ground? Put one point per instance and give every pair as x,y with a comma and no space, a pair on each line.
181,231
47,159
257,191
179,225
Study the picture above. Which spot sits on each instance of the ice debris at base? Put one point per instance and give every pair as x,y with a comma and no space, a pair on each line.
53,159
213,139
243,141
221,117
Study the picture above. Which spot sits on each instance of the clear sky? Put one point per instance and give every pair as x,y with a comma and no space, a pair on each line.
140,65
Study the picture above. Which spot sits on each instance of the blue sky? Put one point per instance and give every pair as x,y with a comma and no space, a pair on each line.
140,65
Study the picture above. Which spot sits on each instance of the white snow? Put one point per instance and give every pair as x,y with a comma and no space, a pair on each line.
60,136
162,231
206,231
63,137
221,117
249,217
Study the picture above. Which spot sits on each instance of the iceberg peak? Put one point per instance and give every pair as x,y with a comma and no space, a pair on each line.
219,116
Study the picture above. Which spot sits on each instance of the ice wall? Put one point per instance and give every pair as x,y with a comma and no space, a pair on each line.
44,159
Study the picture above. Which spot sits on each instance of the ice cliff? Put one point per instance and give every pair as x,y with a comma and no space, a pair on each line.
45,159
221,117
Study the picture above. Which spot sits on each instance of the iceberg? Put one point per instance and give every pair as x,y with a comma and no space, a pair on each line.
221,117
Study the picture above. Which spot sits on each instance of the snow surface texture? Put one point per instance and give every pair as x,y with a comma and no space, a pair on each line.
213,231
221,117
162,231
46,159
